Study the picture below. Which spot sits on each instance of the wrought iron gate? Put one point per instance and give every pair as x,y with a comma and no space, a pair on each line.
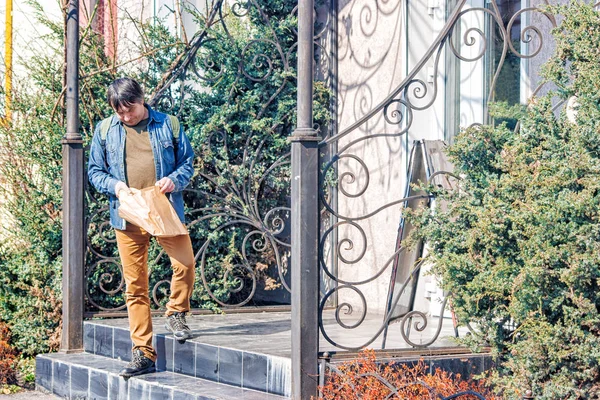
475,41
239,199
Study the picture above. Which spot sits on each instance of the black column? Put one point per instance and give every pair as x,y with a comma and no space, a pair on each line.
73,218
305,219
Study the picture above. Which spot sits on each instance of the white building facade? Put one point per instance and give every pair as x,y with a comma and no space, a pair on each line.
406,73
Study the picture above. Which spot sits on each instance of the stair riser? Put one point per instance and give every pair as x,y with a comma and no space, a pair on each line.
81,376
73,382
269,374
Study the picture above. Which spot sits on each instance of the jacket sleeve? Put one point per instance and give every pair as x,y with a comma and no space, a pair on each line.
184,163
98,166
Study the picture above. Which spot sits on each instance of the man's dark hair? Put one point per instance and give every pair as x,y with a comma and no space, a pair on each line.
124,92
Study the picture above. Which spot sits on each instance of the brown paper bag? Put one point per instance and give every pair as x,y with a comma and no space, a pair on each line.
150,210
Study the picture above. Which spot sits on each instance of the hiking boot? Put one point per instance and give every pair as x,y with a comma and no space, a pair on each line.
139,365
178,327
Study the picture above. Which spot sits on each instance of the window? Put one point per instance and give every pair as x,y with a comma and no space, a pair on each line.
507,88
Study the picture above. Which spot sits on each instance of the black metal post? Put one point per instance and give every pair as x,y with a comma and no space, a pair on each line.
305,219
73,218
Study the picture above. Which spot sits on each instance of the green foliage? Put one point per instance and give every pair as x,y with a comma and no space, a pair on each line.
518,245
503,113
31,169
237,101
26,370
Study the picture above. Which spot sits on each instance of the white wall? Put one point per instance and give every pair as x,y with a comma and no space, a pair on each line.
371,62
379,44
378,47
472,96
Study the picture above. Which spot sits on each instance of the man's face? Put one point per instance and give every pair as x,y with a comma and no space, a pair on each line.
133,114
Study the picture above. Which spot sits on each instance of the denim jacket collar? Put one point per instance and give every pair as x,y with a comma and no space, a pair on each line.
153,116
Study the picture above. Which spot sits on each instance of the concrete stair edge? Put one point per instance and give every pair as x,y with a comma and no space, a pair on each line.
252,370
89,376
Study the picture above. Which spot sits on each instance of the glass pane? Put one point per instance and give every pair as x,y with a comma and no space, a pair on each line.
506,88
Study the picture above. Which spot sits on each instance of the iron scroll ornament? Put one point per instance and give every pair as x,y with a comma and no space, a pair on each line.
413,89
240,203
398,109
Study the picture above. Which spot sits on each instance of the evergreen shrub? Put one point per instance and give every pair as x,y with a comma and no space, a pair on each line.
518,244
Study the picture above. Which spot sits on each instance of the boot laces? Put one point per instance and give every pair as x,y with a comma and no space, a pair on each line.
139,360
178,322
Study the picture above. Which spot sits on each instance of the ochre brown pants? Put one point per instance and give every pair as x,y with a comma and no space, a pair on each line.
133,243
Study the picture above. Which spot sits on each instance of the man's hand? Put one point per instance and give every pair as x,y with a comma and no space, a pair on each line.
166,185
120,187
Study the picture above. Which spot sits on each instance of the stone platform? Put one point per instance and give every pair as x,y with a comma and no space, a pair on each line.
231,356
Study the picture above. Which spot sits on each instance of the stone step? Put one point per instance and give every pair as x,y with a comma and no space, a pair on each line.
223,364
89,376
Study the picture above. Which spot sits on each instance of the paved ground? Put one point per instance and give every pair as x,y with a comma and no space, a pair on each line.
28,394
270,333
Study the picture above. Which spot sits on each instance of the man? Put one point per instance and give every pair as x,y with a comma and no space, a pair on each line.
137,148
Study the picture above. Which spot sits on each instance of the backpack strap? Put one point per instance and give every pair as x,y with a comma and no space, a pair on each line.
104,127
175,126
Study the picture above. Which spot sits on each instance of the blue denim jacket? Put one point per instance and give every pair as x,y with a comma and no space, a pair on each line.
106,165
